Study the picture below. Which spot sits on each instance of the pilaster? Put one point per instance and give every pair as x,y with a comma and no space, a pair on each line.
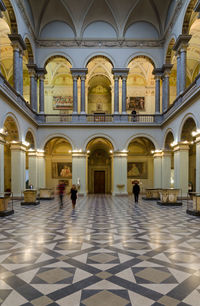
166,169
157,161
18,167
79,163
181,167
41,75
120,173
2,142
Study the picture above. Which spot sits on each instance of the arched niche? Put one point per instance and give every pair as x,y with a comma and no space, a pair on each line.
12,134
99,165
188,127
99,82
58,158
58,86
57,30
6,50
99,29
141,86
140,163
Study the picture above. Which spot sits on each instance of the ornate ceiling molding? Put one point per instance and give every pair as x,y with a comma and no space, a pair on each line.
100,43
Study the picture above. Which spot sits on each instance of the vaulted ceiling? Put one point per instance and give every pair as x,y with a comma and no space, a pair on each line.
119,14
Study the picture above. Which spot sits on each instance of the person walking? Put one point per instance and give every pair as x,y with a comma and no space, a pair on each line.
73,193
136,191
61,191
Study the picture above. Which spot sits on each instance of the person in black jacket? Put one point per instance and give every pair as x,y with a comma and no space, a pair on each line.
73,193
136,191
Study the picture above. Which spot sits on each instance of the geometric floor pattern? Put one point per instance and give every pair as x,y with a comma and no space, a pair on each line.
108,251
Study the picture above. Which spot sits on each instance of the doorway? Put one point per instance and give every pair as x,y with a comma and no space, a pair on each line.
99,181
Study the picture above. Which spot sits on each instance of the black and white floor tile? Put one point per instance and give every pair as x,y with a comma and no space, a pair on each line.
108,251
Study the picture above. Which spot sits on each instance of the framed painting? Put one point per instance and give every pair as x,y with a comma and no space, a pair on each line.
61,170
62,102
137,170
136,103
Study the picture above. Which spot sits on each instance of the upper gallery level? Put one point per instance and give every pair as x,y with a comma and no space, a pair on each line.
63,62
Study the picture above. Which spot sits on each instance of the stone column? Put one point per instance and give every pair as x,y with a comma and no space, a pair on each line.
178,74
181,167
32,161
41,169
18,168
116,94
166,90
83,94
75,93
33,94
158,74
41,75
198,163
79,166
18,47
166,169
2,142
157,160
181,48
120,173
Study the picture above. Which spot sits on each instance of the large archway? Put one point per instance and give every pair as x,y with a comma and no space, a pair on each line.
140,163
186,136
12,134
141,86
99,84
58,158
100,166
58,86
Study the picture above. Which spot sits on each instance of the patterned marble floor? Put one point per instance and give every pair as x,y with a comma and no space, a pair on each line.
109,251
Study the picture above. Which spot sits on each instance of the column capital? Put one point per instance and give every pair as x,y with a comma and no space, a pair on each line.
157,154
166,153
18,146
41,73
157,72
79,154
120,72
78,72
181,146
197,140
166,69
17,41
182,42
2,138
120,154
32,153
32,69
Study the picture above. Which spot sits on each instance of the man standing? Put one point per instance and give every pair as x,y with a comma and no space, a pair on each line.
61,190
136,191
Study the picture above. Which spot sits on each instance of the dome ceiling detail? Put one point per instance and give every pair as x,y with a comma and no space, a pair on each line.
117,14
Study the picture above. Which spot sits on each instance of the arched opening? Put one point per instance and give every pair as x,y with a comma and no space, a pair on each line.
193,55
12,134
58,86
140,163
6,50
141,86
167,146
99,84
99,166
186,136
58,159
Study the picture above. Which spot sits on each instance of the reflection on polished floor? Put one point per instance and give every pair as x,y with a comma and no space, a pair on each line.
108,251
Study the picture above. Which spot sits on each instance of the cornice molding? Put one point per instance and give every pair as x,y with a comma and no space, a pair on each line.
85,43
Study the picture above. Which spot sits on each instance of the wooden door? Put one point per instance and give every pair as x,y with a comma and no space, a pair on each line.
99,181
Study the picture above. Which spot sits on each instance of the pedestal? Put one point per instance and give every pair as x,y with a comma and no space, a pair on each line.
194,207
46,194
152,194
168,197
30,197
4,207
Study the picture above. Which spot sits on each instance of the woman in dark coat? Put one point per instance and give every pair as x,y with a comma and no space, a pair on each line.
136,191
73,192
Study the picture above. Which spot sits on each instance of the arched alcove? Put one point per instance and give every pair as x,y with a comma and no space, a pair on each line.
58,86
99,165
58,158
141,86
140,163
